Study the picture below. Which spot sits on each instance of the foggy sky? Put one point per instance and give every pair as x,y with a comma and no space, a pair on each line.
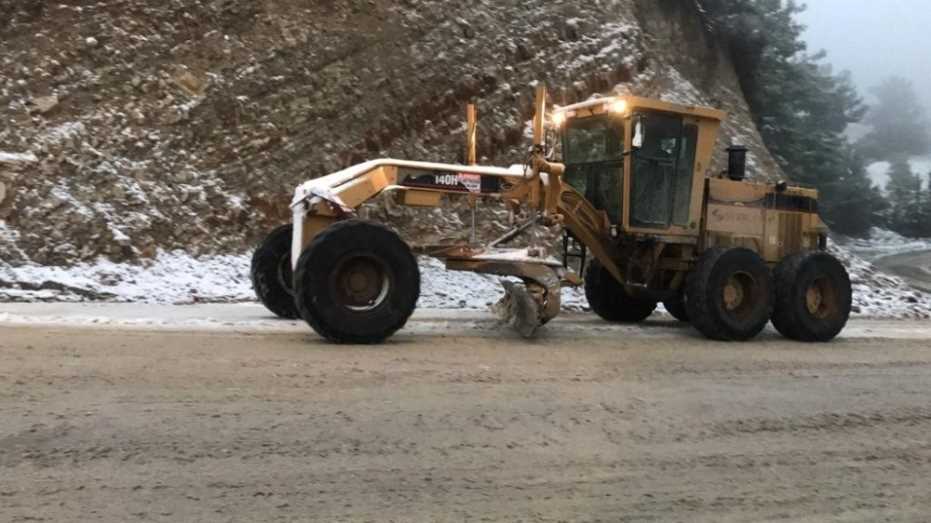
874,39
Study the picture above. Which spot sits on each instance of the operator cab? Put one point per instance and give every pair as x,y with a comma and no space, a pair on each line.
638,160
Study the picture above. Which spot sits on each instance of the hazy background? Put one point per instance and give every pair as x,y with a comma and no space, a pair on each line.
874,39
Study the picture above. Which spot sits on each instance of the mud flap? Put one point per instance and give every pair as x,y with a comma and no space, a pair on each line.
519,309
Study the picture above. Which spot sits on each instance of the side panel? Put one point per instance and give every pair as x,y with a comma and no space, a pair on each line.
776,225
736,216
735,226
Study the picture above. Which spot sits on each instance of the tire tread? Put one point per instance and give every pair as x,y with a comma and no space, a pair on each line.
788,318
609,300
699,304
264,273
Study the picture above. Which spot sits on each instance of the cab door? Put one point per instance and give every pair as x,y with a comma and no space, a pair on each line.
662,171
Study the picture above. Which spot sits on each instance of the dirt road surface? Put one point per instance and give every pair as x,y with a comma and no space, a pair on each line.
652,424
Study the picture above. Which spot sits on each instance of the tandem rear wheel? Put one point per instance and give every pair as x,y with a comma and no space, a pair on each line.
813,297
729,294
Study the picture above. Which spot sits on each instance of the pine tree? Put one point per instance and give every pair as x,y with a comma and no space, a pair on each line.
905,194
801,106
857,205
900,123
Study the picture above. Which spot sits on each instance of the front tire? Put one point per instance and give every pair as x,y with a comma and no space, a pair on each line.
356,283
730,294
611,300
271,273
813,297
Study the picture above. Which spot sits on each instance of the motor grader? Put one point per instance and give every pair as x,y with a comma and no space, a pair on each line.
629,181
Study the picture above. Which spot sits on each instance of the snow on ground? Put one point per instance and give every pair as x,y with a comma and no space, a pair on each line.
879,295
681,91
172,277
442,289
178,278
17,157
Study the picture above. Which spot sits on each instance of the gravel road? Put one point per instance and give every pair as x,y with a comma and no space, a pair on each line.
122,425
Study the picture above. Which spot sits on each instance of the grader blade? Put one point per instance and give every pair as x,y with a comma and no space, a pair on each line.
518,309
527,304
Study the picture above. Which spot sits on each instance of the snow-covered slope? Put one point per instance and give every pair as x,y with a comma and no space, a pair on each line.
155,126
879,295
176,277
149,145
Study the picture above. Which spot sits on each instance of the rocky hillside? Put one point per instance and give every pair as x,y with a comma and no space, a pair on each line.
133,126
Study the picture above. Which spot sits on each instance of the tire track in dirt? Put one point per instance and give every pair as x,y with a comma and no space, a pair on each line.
120,426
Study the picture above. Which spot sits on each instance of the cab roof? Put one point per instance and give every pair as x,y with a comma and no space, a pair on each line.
600,105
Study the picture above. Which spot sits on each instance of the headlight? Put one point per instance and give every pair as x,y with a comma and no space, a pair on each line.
618,106
559,118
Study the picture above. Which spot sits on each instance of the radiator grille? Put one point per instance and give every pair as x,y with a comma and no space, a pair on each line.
790,233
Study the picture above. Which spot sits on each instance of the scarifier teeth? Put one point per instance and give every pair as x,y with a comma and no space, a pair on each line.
518,309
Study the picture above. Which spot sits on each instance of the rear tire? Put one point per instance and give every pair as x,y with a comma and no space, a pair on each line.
610,300
271,273
813,297
357,282
730,294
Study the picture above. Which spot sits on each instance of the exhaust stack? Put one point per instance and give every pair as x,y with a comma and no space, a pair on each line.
737,162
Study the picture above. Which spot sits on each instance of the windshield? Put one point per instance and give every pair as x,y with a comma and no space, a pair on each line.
594,139
661,182
593,151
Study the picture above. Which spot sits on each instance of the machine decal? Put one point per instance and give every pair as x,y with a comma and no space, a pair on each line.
451,181
735,219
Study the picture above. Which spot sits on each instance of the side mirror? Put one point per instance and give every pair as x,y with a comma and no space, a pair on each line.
639,132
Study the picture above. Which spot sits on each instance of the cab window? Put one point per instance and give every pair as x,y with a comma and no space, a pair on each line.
593,152
661,172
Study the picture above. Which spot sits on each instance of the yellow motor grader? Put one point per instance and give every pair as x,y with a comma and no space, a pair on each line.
627,178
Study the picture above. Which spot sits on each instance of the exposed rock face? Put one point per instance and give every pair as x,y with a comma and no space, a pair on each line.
186,124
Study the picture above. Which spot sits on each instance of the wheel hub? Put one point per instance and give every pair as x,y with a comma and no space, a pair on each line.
813,299
820,299
734,293
362,283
